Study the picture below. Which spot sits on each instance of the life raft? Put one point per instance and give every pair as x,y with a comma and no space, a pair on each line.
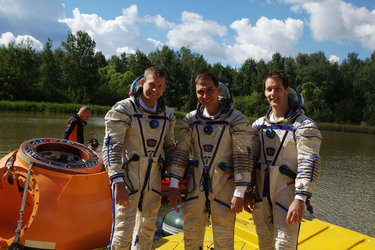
172,222
54,194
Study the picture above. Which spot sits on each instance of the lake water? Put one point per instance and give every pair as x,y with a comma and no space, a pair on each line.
345,194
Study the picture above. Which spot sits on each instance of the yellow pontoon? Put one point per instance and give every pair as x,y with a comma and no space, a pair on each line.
314,235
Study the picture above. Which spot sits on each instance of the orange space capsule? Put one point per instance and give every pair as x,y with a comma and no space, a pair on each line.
54,194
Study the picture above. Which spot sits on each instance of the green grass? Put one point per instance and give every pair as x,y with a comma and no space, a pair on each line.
60,107
352,128
49,107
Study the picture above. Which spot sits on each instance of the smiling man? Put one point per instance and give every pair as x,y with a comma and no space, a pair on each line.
139,131
289,165
219,139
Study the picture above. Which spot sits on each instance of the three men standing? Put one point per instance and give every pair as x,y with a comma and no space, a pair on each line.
224,147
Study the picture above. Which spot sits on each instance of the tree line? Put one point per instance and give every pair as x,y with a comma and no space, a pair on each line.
76,73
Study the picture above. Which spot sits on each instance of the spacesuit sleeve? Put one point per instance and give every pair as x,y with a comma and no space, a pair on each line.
117,121
181,154
169,142
255,145
242,142
308,139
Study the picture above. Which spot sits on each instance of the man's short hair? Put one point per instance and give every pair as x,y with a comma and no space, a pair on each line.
155,71
207,77
85,109
277,74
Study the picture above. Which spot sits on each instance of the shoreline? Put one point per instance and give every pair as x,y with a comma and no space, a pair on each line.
26,106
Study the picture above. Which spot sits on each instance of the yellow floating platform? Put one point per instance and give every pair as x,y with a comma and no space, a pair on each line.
315,234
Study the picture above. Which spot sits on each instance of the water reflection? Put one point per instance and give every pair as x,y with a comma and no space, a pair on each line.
345,194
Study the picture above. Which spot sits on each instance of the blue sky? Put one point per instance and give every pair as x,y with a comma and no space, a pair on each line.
228,32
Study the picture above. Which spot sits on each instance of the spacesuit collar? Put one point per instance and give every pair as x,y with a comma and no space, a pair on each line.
224,112
290,117
143,105
160,105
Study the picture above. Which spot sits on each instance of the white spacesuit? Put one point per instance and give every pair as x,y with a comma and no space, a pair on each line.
289,166
221,149
134,144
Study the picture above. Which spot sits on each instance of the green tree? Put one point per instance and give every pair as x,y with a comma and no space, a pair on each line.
18,71
169,61
365,82
246,79
114,86
277,62
138,62
290,70
313,68
100,60
315,105
225,74
119,62
49,80
262,70
345,95
254,105
79,67
7,88
192,64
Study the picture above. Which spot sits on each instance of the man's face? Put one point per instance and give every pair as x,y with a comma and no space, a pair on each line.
276,93
85,116
208,94
153,88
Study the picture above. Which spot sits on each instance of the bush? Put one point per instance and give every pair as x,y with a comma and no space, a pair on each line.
254,105
49,107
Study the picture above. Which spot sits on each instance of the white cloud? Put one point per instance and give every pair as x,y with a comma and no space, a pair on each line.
37,18
334,59
337,20
159,22
125,49
124,33
24,40
118,35
156,43
198,34
114,36
265,38
32,9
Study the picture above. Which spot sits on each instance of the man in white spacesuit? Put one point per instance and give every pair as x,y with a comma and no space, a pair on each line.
289,165
219,139
139,135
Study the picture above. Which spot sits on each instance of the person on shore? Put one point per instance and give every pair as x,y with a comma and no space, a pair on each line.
289,165
93,144
139,137
74,126
219,138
